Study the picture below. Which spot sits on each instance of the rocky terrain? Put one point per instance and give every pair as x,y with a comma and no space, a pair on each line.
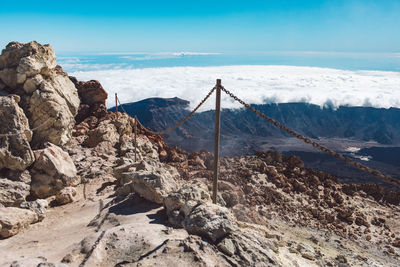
74,191
367,129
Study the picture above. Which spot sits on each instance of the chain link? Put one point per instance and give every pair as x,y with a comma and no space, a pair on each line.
185,119
315,144
89,253
121,105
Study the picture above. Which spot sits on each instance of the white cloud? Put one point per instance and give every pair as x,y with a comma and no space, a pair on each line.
254,84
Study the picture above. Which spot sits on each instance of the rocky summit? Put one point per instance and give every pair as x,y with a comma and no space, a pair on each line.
76,189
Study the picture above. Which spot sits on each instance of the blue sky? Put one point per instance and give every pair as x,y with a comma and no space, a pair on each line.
204,26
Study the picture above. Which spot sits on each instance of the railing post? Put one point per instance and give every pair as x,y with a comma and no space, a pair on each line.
116,103
216,139
135,136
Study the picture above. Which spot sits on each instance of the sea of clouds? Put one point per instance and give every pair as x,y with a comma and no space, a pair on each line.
254,84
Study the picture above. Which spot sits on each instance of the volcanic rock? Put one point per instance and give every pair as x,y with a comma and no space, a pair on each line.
38,206
66,195
152,181
211,221
15,151
52,171
93,99
104,132
13,220
49,99
195,191
13,193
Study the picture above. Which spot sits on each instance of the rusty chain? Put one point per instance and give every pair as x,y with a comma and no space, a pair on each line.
22,132
185,119
315,144
121,105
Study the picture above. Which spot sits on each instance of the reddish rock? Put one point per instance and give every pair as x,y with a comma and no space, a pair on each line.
93,99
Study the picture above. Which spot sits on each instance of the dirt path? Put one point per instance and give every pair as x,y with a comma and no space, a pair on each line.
66,226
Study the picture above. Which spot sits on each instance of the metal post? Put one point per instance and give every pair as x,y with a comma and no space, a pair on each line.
135,136
216,139
116,103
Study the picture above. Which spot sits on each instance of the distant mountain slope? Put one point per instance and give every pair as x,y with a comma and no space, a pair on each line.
354,123
375,131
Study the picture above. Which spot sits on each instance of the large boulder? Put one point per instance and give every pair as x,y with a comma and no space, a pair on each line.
151,180
15,151
49,98
211,221
52,171
174,203
13,220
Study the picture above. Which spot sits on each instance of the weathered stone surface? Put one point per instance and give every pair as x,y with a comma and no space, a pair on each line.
55,103
47,93
227,246
14,187
195,191
90,92
52,171
66,196
15,151
105,132
306,251
152,181
12,193
211,221
17,176
13,220
93,99
25,59
251,249
38,206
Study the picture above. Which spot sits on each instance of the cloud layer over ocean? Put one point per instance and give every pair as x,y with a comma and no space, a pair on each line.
254,84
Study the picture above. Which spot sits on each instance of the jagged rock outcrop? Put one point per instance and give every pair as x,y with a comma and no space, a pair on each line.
52,171
47,95
15,151
93,99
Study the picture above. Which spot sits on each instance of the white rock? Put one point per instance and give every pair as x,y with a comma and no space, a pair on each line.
53,170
